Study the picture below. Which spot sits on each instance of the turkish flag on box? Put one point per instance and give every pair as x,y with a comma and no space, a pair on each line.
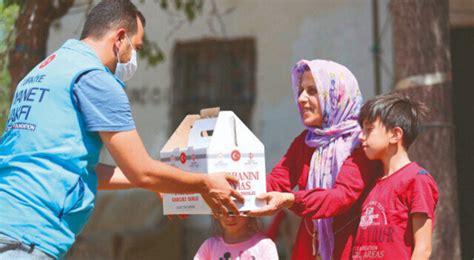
215,141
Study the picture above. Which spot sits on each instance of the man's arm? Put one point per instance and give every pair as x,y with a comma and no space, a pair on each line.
105,109
144,172
112,178
422,226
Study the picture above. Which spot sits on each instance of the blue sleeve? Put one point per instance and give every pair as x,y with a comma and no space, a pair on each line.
102,102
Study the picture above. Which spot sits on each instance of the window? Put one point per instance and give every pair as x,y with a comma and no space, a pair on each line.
213,72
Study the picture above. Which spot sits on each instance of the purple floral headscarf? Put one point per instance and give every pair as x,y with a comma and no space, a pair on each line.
340,101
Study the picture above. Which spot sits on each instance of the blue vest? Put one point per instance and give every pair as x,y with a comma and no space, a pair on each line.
47,158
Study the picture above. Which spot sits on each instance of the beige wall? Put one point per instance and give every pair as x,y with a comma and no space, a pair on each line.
284,31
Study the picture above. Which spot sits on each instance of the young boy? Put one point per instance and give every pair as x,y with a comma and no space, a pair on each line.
397,216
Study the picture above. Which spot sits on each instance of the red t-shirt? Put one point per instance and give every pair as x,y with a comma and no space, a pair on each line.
385,229
343,201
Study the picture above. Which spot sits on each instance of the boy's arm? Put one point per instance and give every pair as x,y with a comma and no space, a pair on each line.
422,226
422,197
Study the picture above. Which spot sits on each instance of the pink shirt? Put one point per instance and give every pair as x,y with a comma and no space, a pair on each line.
256,248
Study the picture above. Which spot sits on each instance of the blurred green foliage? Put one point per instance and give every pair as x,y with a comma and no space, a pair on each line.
9,12
151,51
189,7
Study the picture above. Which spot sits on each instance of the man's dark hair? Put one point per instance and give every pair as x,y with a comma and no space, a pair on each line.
112,14
395,110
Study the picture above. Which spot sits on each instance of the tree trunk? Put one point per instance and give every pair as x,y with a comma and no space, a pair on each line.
32,31
423,68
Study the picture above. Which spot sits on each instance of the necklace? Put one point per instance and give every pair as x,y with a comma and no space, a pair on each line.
312,234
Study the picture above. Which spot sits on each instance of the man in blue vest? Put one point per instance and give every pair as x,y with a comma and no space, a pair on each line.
62,113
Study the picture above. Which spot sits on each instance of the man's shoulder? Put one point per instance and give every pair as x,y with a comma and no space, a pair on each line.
83,51
97,74
98,77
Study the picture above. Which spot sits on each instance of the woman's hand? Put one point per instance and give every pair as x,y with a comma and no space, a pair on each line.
275,201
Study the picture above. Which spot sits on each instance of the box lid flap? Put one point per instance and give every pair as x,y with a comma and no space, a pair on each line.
179,139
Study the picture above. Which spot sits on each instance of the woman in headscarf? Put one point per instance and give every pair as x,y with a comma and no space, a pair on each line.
328,100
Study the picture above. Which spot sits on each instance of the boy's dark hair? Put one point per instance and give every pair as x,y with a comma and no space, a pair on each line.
111,14
395,110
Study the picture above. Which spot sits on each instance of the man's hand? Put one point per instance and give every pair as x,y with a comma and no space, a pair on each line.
275,201
218,193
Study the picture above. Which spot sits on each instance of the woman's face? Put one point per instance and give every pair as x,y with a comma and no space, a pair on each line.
308,101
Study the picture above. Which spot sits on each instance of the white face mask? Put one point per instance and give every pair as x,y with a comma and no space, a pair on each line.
125,71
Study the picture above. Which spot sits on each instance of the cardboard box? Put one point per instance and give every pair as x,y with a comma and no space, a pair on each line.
215,141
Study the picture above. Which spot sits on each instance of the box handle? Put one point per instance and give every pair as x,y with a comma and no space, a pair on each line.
234,128
210,112
207,133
